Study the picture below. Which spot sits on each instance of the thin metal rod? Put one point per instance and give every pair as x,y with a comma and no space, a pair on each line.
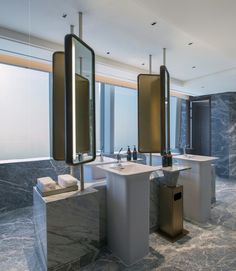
81,37
72,29
150,64
72,172
150,71
81,173
81,166
164,56
80,25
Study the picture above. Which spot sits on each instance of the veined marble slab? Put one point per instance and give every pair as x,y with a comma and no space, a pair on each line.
196,158
67,227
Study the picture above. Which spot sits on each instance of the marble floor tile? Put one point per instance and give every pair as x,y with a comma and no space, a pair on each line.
208,247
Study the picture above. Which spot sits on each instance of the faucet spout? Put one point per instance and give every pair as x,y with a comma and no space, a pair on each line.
119,157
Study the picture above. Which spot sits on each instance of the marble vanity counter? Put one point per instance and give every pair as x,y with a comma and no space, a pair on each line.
159,155
175,168
196,158
66,195
67,228
98,161
127,168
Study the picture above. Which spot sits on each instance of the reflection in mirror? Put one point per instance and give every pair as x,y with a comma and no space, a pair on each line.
82,113
150,115
80,101
58,114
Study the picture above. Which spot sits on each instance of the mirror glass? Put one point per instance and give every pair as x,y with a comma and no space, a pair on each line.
58,114
150,113
80,101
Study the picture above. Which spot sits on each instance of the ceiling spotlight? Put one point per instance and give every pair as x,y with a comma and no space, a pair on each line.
153,23
190,43
64,15
108,53
193,67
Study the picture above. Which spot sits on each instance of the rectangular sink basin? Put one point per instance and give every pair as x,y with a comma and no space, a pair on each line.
128,168
93,173
128,199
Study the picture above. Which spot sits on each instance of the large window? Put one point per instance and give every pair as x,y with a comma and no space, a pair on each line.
116,109
125,118
98,115
24,113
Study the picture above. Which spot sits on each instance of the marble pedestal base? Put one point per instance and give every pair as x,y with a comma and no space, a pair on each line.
67,228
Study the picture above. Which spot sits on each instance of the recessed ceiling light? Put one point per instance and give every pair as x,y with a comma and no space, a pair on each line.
108,53
153,23
143,64
202,86
64,15
193,67
190,43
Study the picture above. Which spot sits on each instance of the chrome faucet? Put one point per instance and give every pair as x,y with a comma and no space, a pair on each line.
119,157
101,155
184,149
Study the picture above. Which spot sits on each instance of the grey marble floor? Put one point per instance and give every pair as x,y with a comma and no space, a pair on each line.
208,247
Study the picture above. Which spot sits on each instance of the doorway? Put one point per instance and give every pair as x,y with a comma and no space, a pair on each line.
200,126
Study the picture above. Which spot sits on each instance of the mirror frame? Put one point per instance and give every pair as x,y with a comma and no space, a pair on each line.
58,106
69,133
165,77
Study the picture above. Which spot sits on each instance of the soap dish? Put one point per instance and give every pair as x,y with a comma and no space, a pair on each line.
58,190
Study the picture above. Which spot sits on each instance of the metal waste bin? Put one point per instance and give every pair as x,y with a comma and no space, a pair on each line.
171,210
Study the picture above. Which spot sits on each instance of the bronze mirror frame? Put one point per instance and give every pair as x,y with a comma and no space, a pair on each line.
58,108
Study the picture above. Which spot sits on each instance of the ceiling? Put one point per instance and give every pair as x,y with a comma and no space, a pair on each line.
124,29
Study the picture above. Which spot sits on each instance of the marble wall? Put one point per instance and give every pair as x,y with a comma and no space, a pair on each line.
183,124
67,227
17,181
223,133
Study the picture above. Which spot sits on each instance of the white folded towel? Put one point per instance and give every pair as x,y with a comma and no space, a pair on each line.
46,184
67,180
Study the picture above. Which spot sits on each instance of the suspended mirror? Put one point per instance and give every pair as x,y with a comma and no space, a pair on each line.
80,101
58,114
151,115
165,88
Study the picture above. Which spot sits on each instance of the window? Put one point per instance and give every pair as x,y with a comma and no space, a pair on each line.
125,118
173,122
98,115
24,113
116,109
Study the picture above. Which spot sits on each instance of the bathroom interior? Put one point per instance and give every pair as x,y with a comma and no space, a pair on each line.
118,137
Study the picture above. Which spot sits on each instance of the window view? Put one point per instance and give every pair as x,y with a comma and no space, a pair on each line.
26,121
24,113
98,114
125,118
173,113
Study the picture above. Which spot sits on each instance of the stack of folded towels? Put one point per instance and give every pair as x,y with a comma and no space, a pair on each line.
67,180
46,184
